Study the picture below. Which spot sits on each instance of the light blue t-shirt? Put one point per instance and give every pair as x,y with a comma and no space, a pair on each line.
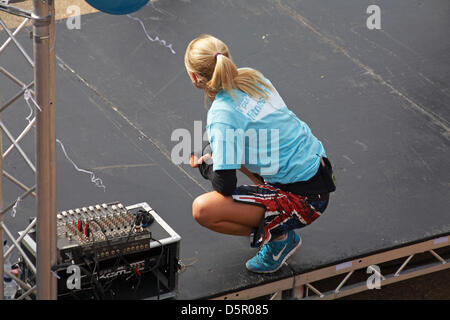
264,135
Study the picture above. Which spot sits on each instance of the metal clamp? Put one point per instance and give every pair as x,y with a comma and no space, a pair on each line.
40,21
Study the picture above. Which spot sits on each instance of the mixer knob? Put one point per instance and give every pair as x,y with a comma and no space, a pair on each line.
71,212
97,207
59,216
84,209
64,213
91,208
114,207
104,205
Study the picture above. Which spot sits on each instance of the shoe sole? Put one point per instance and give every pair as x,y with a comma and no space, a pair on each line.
282,261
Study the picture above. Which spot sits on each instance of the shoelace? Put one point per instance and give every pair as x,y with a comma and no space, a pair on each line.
265,251
262,254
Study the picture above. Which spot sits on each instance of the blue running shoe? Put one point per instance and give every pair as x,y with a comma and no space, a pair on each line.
272,255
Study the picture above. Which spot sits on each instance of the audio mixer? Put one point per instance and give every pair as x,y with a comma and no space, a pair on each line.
103,231
112,243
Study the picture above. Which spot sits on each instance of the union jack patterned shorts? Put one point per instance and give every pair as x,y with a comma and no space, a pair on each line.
285,211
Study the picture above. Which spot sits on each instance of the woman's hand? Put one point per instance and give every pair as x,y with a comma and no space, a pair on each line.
196,161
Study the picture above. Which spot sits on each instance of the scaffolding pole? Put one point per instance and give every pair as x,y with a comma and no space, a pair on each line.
44,79
1,217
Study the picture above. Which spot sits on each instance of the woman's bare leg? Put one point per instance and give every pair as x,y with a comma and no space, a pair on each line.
222,214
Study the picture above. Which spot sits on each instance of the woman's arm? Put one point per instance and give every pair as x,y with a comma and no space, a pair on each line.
255,179
223,181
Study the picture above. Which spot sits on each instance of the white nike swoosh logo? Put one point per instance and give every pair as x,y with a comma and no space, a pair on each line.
275,258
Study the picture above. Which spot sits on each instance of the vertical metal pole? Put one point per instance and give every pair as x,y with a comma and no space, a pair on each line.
52,59
43,24
1,217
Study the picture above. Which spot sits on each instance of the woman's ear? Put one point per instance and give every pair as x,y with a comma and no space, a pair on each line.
196,81
193,78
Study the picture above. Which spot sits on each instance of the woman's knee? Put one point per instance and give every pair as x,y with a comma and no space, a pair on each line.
200,210
209,208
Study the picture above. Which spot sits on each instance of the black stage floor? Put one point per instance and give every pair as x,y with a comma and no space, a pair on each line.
378,100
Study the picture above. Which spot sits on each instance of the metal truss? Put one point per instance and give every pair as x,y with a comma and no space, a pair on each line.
352,276
39,98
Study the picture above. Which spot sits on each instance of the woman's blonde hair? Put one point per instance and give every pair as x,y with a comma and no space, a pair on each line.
210,60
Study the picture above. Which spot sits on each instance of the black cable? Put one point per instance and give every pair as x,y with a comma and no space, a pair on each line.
141,217
119,255
157,265
108,285
88,273
160,254
94,283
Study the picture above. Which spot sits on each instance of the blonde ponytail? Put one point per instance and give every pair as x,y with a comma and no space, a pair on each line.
223,76
209,59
